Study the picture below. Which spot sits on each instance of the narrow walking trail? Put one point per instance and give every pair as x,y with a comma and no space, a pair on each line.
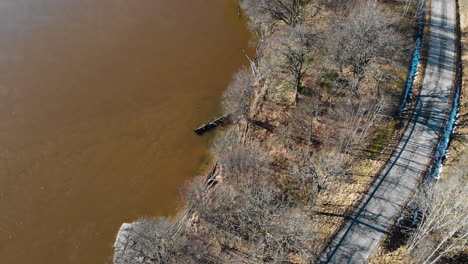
383,204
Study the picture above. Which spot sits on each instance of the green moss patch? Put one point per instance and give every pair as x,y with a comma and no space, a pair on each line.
380,140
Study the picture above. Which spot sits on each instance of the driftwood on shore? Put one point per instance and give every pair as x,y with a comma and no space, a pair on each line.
212,124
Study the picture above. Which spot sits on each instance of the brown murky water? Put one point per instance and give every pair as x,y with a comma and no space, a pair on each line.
97,103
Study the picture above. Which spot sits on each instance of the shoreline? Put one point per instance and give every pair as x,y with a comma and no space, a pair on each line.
251,134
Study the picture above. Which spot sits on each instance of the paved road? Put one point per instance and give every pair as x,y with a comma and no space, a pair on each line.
379,210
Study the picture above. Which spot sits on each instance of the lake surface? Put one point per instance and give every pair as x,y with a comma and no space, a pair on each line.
98,100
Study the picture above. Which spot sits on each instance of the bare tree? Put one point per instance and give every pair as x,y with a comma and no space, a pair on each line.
260,20
358,120
149,241
305,184
295,53
289,11
442,216
363,37
238,95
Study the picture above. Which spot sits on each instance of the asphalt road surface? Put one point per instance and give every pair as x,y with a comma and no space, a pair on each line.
383,204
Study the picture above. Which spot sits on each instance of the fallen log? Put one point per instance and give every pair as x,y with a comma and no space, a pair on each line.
261,124
211,178
212,124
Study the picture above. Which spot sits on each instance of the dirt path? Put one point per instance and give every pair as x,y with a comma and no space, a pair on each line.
380,208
